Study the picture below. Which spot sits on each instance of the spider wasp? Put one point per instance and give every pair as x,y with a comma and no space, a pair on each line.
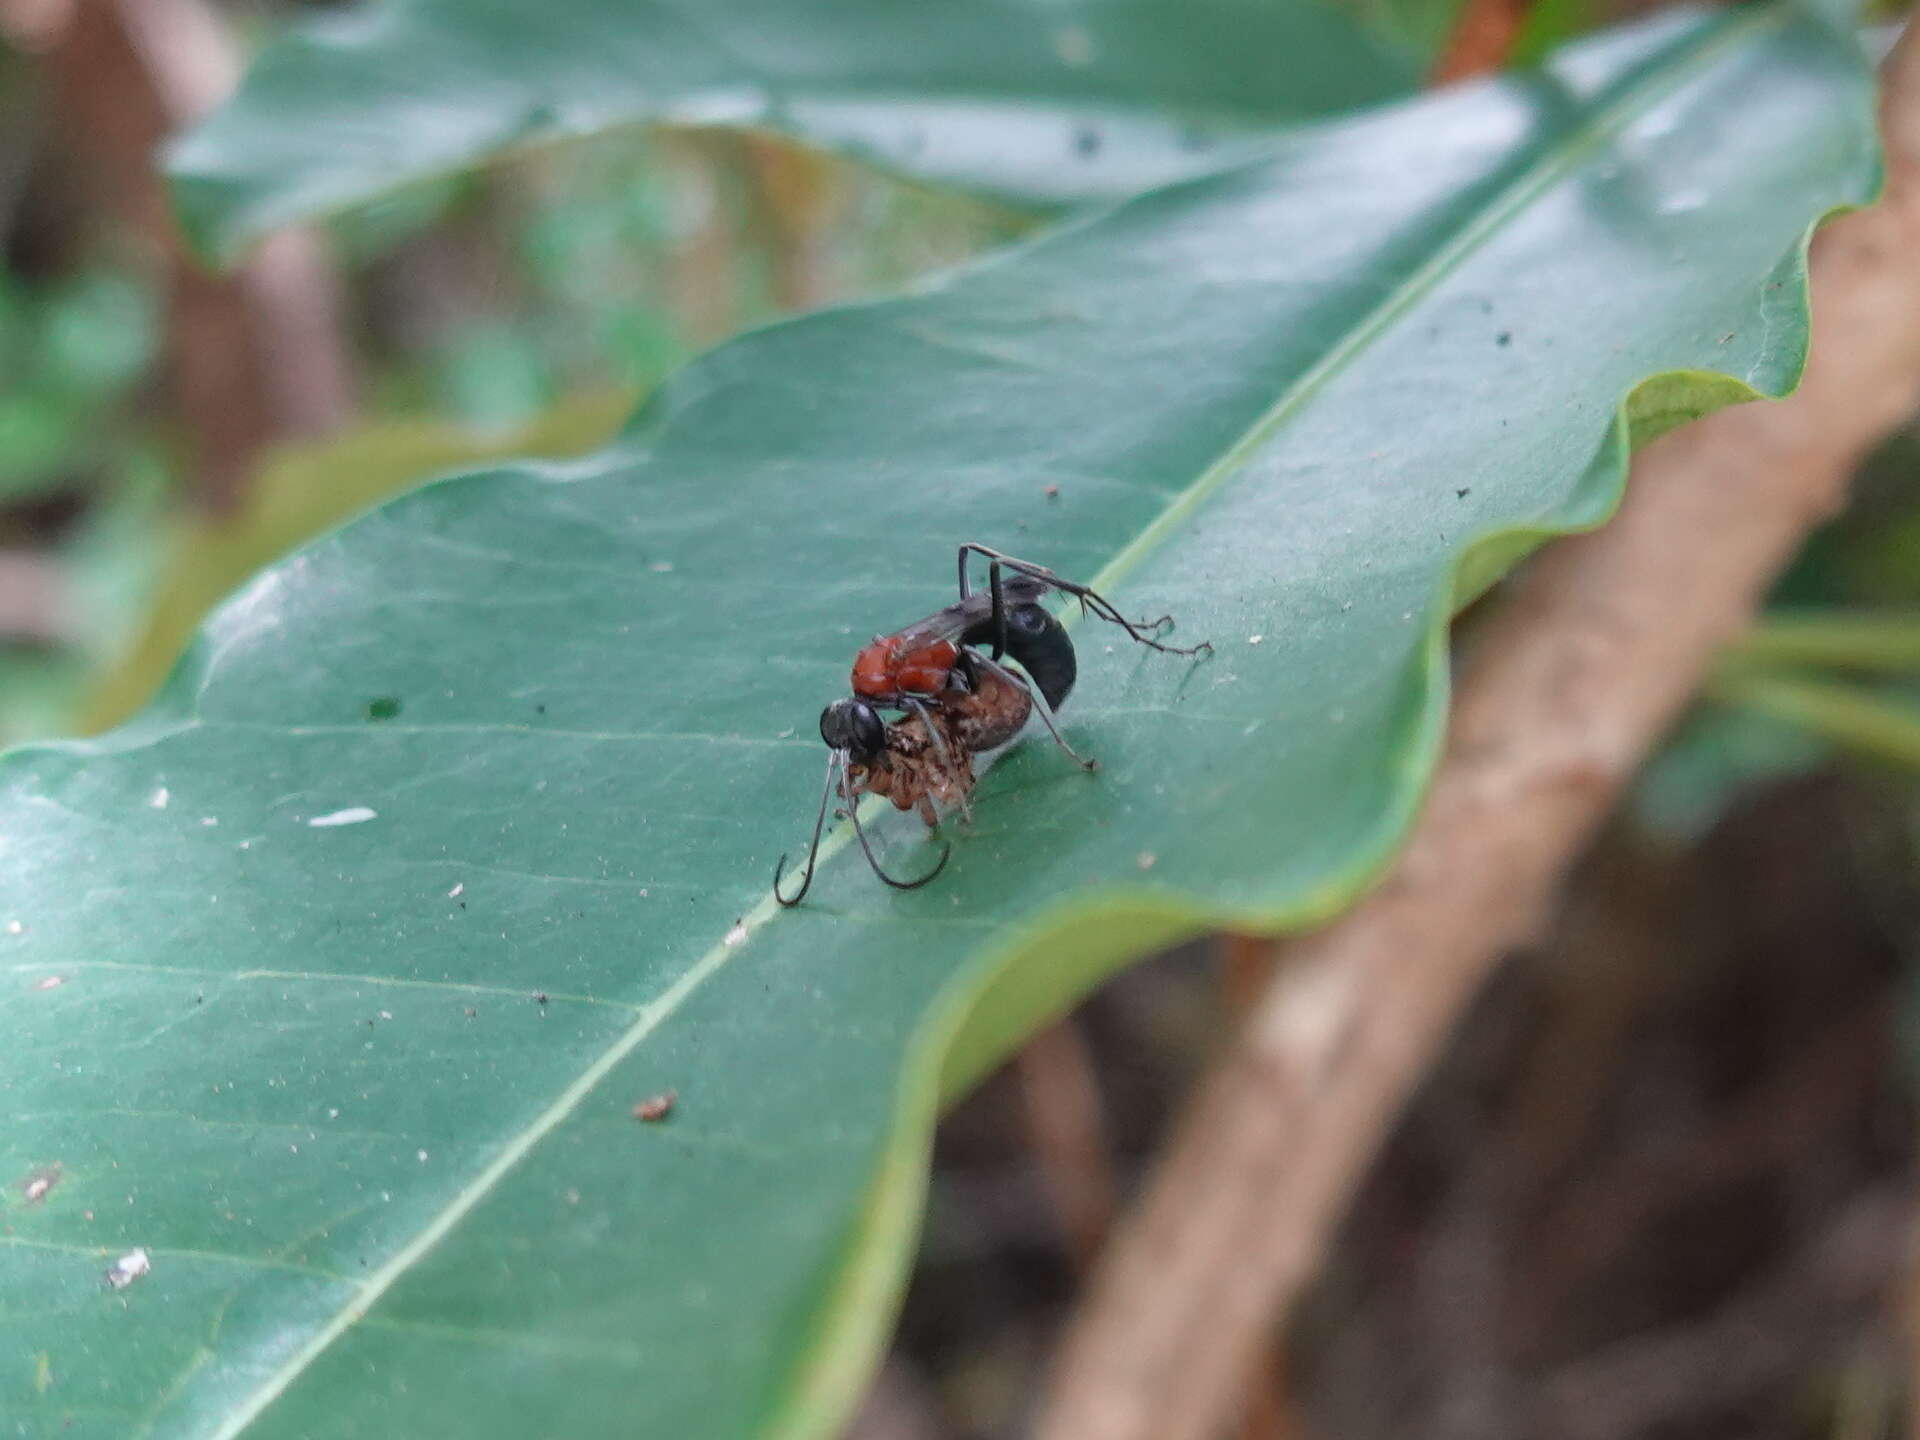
944,677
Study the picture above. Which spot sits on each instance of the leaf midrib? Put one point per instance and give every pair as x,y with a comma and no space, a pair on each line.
1552,165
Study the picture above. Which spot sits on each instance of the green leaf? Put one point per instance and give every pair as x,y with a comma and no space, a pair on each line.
1041,103
555,723
1873,725
303,490
1844,639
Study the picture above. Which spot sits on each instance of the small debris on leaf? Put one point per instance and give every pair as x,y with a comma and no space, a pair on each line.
738,934
158,800
129,1268
51,982
457,891
656,1107
1146,859
1052,492
352,815
40,1184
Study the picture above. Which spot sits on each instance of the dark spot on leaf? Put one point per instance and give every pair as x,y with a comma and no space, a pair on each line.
539,709
1464,491
1505,337
1086,143
383,707
539,997
1192,137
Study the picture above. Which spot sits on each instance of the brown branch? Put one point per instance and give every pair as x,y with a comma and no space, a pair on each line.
251,357
1067,1129
1573,680
33,599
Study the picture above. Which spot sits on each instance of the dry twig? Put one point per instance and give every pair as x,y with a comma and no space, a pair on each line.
1576,677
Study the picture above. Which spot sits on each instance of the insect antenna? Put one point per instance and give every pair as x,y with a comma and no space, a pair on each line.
860,833
835,759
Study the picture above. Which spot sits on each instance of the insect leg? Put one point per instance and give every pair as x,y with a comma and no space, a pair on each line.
860,834
836,759
918,707
1045,710
1142,631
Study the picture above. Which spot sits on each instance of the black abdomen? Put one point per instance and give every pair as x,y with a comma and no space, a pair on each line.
1045,651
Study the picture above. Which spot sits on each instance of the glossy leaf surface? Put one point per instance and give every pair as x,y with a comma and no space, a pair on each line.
332,981
1038,101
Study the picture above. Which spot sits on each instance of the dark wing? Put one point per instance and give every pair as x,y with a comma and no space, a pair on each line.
969,615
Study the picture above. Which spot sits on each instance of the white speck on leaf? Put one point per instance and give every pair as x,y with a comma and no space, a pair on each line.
14,927
352,815
738,934
129,1268
158,800
423,1156
208,821
40,1183
457,891
1255,639
661,567
51,982
1146,859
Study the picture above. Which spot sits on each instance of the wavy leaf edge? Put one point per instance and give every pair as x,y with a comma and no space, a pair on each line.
982,1013
967,1031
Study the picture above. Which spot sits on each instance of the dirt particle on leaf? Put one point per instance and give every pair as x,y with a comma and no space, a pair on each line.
1052,492
738,934
1463,492
656,1107
129,1268
1086,143
40,1183
1503,339
539,997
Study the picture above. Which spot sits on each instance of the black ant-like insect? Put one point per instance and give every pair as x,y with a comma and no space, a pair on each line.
958,699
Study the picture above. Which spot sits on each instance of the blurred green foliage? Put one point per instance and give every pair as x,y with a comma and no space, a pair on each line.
73,352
